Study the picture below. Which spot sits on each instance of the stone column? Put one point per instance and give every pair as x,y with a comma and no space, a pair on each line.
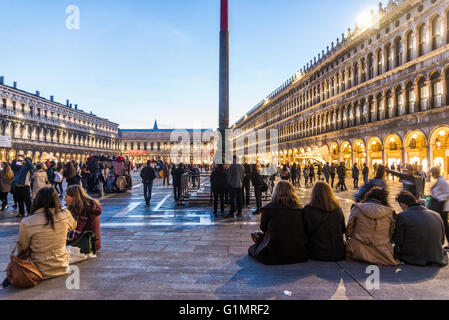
426,96
416,43
360,72
382,108
445,89
404,101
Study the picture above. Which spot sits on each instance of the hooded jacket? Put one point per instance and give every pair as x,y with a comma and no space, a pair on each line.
370,228
22,172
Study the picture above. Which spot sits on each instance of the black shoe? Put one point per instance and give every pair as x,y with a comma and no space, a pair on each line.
239,214
15,206
256,212
148,204
20,215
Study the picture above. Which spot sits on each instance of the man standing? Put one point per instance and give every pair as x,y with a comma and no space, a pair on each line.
355,175
419,233
177,174
235,176
365,173
147,174
23,167
332,171
166,174
246,185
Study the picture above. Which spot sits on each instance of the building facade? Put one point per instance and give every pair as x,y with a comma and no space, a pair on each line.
141,145
378,95
46,130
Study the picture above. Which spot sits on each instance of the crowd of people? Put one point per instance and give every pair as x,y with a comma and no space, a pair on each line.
375,233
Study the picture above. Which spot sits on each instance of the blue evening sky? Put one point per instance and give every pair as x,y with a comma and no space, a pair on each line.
136,61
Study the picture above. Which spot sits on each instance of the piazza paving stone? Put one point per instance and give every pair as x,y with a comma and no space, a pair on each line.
185,253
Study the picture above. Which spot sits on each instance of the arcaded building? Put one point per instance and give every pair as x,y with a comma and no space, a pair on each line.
44,129
378,94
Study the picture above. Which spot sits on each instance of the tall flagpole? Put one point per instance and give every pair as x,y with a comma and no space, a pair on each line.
224,73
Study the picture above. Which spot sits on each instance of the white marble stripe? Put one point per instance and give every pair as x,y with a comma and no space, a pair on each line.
161,203
128,209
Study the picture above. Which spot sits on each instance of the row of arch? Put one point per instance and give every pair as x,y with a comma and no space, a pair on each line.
414,148
37,156
413,43
424,93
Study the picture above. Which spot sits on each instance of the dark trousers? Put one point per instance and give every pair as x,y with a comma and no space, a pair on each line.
327,178
219,195
246,195
365,179
4,199
258,195
166,178
444,216
147,191
177,191
59,184
236,198
332,179
23,199
356,182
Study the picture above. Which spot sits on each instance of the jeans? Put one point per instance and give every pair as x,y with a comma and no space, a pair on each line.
236,196
23,199
246,193
59,184
101,188
356,182
365,179
147,190
332,179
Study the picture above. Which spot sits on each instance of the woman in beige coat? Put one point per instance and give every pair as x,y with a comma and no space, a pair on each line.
40,179
43,235
370,228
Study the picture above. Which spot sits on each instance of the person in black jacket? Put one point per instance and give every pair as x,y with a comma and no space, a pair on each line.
218,185
325,225
177,174
410,180
355,175
282,223
419,233
147,174
332,170
257,182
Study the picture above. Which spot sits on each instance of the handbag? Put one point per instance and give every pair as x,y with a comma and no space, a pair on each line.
22,273
86,242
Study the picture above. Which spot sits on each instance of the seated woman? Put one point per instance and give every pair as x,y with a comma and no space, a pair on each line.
282,223
370,229
44,234
325,225
86,212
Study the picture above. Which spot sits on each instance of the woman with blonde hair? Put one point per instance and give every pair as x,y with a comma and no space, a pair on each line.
86,211
283,238
325,225
6,180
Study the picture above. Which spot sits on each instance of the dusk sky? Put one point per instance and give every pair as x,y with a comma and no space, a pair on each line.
139,60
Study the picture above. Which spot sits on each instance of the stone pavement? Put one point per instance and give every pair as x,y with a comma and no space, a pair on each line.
167,252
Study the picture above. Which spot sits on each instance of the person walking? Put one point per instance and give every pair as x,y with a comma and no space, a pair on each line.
326,172
319,172
148,175
311,174
59,177
235,176
393,168
411,181
285,173
440,198
218,186
22,182
293,172
258,183
40,179
341,173
101,179
325,225
419,233
365,173
306,173
355,175
370,228
166,174
283,232
86,211
6,180
51,173
332,171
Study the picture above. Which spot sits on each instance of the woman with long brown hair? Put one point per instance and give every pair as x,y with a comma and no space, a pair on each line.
6,180
44,234
325,225
86,211
282,224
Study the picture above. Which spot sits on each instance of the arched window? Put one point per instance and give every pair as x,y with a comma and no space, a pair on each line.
138,145
152,146
447,86
145,146
332,86
379,62
370,66
436,33
349,77
399,102
411,99
398,51
422,40
356,74
363,66
337,80
437,90
409,46
343,84
422,95
388,56
132,145
390,104
447,26
125,146
365,115
372,109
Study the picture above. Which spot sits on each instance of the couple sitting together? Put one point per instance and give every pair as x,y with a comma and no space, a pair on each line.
374,233
53,236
